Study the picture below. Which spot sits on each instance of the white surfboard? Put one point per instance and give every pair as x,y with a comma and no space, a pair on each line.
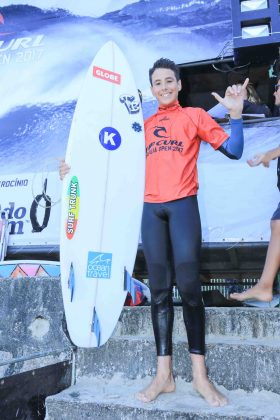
102,198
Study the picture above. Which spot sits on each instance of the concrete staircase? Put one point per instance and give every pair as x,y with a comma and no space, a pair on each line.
35,353
243,359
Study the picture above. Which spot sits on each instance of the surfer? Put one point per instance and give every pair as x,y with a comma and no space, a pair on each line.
263,289
171,218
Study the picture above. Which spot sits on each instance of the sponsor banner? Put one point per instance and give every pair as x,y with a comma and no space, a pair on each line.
32,205
45,52
236,202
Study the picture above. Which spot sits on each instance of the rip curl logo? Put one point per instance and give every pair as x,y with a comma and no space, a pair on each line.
99,265
159,130
110,138
131,103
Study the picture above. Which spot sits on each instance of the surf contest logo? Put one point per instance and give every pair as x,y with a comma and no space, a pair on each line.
110,138
131,103
133,106
73,197
107,75
163,142
99,265
18,49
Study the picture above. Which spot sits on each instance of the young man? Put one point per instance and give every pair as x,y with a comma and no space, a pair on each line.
263,290
171,216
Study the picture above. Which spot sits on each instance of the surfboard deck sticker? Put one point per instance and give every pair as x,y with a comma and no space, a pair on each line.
102,198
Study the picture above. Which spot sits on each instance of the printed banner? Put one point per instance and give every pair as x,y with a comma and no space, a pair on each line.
46,47
32,205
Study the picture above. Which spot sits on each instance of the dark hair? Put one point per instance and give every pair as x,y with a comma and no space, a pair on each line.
164,63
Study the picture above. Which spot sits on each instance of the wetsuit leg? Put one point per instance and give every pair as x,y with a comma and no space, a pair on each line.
185,234
156,245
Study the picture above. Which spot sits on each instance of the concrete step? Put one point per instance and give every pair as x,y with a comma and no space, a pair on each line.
242,322
114,399
234,363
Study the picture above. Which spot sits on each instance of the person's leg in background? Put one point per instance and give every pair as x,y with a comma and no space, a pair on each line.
263,289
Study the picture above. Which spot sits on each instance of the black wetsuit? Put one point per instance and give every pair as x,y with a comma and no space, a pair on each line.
171,231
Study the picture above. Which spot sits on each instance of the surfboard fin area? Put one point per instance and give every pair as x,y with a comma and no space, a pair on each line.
71,282
129,285
95,327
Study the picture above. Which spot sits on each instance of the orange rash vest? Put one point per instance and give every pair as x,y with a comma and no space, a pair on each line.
173,137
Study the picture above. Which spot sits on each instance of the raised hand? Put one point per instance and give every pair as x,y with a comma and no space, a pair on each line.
233,99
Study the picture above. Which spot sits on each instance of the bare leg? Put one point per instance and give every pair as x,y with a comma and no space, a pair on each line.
202,384
162,382
263,290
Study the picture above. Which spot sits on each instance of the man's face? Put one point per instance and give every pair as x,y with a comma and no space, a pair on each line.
277,93
165,87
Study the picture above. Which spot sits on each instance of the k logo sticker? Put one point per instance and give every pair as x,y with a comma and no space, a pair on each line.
110,138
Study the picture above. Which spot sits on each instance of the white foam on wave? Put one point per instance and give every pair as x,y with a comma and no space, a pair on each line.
80,8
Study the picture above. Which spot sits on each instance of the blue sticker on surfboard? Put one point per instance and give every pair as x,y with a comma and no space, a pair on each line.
110,138
99,265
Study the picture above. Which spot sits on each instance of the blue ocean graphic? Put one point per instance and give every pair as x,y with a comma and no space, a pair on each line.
41,78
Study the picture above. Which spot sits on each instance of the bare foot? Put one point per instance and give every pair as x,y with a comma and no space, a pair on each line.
257,292
211,395
157,387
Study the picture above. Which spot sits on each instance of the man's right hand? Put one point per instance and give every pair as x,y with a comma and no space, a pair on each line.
63,169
